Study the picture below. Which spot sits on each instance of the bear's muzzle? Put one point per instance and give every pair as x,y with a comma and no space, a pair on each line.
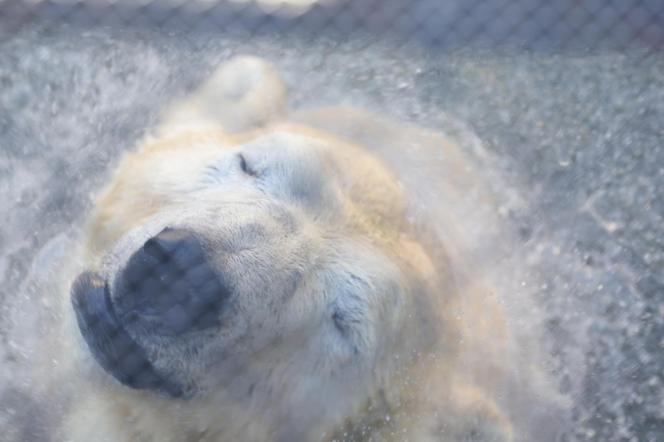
167,288
109,342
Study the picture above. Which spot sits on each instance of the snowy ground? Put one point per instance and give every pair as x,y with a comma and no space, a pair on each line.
577,140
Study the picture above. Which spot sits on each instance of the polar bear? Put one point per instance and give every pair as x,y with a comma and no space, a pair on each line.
257,274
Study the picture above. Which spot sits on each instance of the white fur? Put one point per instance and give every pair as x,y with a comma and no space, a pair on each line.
347,320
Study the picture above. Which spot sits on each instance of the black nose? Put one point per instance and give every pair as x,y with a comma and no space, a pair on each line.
170,287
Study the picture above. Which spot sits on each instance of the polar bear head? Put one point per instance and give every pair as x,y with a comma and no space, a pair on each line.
275,271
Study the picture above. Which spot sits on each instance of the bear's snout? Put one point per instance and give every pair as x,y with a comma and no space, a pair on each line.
170,287
109,342
167,288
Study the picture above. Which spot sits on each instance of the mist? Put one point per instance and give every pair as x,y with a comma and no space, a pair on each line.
569,145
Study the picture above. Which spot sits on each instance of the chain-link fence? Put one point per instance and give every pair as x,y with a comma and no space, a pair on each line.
559,24
567,96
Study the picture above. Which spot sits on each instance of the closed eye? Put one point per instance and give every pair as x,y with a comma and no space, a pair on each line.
340,322
244,166
345,324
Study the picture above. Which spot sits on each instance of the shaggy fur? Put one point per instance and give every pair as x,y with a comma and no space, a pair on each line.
347,319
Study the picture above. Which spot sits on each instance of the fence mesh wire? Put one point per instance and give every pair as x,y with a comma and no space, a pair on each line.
554,25
439,26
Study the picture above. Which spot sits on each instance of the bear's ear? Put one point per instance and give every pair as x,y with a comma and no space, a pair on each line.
243,94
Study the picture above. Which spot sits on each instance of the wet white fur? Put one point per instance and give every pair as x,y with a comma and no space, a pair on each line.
325,228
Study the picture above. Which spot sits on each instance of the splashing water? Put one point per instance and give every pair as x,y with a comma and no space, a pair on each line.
569,145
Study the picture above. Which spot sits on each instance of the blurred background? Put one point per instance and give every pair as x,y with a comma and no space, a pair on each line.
566,96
